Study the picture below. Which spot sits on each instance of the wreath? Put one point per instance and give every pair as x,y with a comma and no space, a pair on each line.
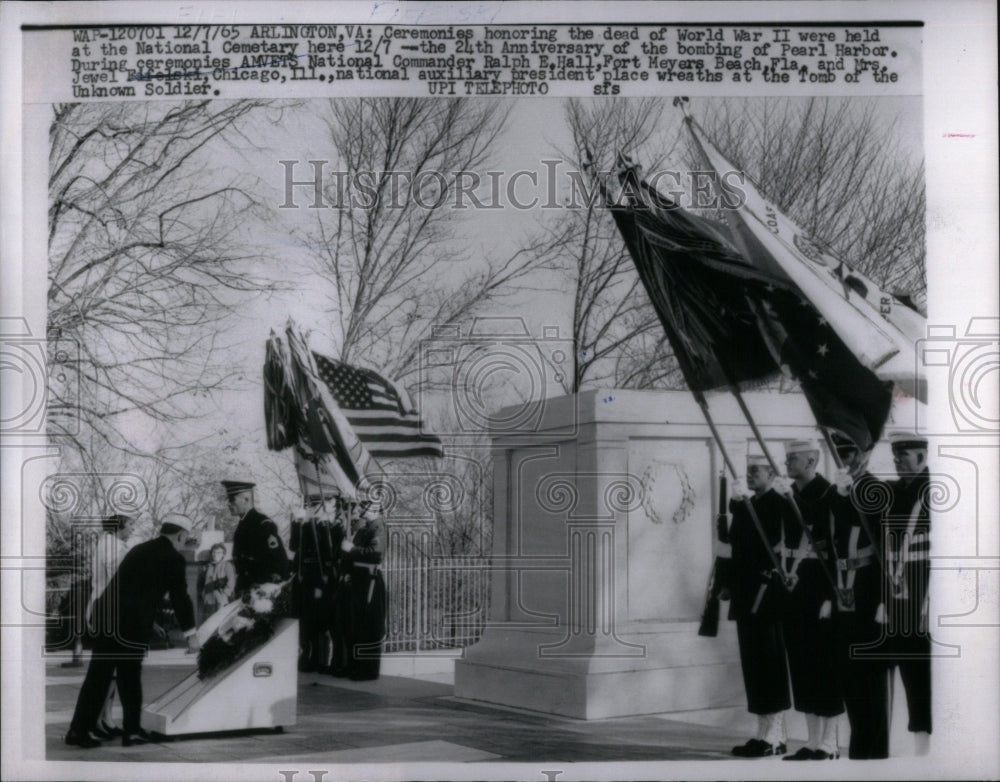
246,628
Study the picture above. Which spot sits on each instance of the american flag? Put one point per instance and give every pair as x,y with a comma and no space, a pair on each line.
379,412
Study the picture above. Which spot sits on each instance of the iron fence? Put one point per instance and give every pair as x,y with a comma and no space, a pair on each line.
434,602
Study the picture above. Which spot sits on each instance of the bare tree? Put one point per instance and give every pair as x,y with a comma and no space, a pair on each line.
836,167
617,335
389,246
145,259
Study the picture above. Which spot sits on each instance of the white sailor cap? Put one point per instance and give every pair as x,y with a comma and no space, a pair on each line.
178,520
905,439
801,446
757,460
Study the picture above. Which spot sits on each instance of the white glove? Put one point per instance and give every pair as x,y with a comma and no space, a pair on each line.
825,610
843,481
739,490
782,485
880,614
346,545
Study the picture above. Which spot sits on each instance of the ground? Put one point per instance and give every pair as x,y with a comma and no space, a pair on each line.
394,719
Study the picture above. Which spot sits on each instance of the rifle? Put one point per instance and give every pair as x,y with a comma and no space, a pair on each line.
718,579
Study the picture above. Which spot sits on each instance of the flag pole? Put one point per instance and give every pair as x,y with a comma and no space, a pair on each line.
734,389
703,404
864,522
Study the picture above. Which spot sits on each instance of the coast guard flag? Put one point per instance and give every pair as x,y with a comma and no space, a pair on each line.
379,411
876,326
730,321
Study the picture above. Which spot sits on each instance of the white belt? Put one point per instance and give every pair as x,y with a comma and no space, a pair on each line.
791,553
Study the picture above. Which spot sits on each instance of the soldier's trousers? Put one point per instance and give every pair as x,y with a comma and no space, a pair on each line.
912,655
338,625
865,684
312,628
367,622
812,663
762,657
110,661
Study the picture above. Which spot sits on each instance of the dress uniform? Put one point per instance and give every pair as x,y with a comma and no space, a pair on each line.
311,542
123,622
808,625
339,615
755,603
856,510
367,601
907,534
258,553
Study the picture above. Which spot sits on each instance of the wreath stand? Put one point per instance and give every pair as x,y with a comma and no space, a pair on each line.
258,691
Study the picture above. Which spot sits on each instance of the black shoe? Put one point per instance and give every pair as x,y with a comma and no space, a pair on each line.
766,750
804,753
819,754
134,739
106,732
84,740
744,750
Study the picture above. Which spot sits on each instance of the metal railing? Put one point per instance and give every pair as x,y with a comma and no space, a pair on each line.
434,602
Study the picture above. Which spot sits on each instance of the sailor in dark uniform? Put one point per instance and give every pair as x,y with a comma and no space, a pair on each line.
123,623
310,540
808,619
856,510
362,561
755,604
338,617
258,553
907,529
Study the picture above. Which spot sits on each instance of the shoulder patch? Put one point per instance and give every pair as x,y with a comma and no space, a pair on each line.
272,541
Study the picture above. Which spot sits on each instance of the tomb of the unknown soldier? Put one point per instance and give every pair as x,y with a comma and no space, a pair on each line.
602,546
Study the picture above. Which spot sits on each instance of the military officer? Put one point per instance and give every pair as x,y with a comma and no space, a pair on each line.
258,553
808,616
907,529
755,597
856,510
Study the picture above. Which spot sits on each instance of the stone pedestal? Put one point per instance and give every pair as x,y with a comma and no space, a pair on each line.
602,548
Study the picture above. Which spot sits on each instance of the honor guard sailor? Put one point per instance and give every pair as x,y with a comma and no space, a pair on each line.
856,509
313,566
366,626
258,553
755,604
808,616
907,562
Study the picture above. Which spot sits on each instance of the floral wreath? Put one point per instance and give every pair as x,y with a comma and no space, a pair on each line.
247,628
